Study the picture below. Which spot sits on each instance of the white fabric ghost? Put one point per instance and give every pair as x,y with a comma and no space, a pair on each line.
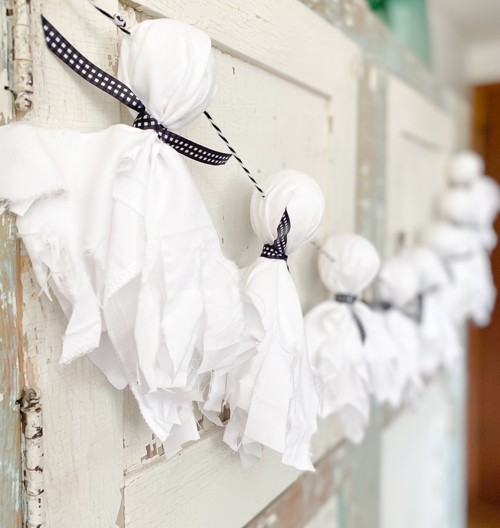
462,255
440,340
115,225
398,285
465,167
457,205
486,196
272,397
461,207
351,352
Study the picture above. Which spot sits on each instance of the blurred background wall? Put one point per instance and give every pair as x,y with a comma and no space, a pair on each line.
460,41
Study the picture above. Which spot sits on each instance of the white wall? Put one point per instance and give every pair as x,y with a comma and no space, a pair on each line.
465,44
447,45
482,61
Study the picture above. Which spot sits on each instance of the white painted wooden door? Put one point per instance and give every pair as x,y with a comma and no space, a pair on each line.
287,98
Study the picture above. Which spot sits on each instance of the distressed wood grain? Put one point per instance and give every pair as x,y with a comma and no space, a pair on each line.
10,368
10,386
82,413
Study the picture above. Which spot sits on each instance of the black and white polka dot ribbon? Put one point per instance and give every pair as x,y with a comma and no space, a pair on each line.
120,22
185,146
277,250
349,299
68,54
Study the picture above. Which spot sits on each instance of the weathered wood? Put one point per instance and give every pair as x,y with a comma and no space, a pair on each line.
310,501
10,386
10,368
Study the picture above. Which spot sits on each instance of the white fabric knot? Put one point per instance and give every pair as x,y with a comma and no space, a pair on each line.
465,167
347,263
300,195
450,241
486,196
458,205
170,66
430,269
398,282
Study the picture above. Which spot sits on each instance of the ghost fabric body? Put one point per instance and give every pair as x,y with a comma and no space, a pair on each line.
486,197
115,225
465,167
272,397
351,353
440,341
398,287
459,208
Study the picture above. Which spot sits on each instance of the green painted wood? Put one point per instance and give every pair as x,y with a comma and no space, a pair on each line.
10,377
10,387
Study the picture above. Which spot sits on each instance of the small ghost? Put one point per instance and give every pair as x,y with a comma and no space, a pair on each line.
397,289
352,354
272,397
440,341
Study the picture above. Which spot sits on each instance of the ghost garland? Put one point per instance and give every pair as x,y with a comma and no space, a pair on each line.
117,231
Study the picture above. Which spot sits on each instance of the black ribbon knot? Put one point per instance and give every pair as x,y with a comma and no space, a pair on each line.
278,249
349,299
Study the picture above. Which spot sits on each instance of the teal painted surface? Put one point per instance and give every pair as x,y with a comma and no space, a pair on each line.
359,494
10,390
407,19
10,385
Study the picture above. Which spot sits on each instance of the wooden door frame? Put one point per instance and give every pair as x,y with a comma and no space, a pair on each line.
477,488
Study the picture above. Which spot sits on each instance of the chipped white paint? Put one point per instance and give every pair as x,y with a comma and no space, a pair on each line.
22,74
33,461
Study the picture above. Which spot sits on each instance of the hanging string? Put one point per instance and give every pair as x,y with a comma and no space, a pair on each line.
321,250
117,19
238,159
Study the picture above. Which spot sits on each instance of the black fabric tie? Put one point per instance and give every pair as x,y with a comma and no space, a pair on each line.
277,250
346,298
65,51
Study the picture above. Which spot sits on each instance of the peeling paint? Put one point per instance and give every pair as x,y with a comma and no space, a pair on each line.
33,461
